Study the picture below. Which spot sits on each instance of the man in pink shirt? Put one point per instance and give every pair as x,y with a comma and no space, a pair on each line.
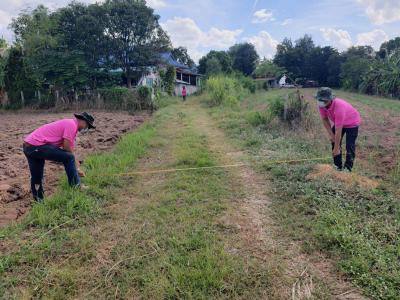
55,142
345,120
184,93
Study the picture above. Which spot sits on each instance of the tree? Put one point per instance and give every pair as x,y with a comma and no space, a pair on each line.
244,57
168,77
389,48
134,36
267,68
81,28
3,61
19,78
221,63
181,55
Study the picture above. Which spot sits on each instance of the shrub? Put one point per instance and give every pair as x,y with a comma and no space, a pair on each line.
117,97
223,90
145,97
257,118
293,111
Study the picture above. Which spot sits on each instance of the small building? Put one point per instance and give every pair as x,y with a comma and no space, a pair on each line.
185,76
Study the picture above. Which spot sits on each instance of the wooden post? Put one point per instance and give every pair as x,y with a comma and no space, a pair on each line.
39,96
22,99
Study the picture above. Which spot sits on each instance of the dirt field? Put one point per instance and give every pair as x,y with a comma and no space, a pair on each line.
15,197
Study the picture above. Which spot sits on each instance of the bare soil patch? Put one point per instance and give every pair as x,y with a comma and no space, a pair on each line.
15,197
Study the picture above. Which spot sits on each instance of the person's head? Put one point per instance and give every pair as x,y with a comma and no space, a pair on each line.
85,121
324,97
184,87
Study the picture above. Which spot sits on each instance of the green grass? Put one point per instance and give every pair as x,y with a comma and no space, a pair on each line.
56,230
173,244
358,228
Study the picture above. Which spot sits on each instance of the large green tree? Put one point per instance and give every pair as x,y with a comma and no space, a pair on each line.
267,68
134,36
215,62
181,55
244,58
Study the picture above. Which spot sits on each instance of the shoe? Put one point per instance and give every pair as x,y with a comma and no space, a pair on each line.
338,169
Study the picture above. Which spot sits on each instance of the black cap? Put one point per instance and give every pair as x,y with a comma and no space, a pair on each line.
86,117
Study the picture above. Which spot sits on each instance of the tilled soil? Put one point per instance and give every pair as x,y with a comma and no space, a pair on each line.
15,199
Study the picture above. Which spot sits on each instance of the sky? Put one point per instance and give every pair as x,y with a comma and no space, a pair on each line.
202,25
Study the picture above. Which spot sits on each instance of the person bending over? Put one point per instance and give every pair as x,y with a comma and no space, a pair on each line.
55,142
339,118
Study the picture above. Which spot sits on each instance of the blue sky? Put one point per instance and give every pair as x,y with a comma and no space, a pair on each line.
201,25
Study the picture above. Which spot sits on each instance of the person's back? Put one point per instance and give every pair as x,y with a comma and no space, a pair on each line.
54,133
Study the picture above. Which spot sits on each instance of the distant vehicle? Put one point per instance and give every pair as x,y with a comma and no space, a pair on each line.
288,86
311,84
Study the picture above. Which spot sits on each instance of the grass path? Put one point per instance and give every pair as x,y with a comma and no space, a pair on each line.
206,234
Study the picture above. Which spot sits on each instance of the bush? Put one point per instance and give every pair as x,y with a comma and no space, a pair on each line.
145,98
257,118
117,97
248,84
223,90
293,111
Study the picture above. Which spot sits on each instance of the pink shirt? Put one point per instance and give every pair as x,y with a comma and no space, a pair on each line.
183,92
342,114
54,133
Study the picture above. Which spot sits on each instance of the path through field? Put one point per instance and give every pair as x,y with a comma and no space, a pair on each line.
247,220
192,234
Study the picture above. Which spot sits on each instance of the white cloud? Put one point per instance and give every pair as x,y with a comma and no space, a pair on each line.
286,22
381,11
156,3
262,16
265,44
373,38
338,38
185,32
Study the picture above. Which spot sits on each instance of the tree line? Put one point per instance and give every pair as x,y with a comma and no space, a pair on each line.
359,68
81,47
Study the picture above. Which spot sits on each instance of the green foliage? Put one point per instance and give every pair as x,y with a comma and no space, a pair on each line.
383,77
135,38
145,100
215,62
244,58
246,82
223,90
168,78
181,55
119,98
266,68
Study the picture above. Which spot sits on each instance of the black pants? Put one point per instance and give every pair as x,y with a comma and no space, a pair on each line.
184,98
351,137
37,155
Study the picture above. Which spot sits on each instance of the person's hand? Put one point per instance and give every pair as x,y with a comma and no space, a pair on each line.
336,151
81,173
332,137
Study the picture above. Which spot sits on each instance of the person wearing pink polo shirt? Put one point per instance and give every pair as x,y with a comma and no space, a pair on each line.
55,142
339,118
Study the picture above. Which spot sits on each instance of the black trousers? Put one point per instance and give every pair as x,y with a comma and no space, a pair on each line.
351,137
37,155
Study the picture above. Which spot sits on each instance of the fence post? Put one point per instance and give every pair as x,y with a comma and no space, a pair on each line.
22,99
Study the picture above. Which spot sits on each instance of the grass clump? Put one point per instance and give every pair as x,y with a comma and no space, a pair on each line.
223,90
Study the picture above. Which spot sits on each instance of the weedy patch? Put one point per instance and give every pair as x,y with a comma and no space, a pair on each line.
356,224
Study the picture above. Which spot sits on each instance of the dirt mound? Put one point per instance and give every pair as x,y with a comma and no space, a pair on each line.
349,179
15,197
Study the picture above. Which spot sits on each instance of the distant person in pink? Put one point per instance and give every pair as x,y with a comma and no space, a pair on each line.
184,93
55,142
339,118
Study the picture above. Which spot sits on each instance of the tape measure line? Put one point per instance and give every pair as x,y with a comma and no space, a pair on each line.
145,172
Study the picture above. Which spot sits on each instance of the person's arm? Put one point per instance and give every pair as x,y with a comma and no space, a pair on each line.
67,147
327,125
338,137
